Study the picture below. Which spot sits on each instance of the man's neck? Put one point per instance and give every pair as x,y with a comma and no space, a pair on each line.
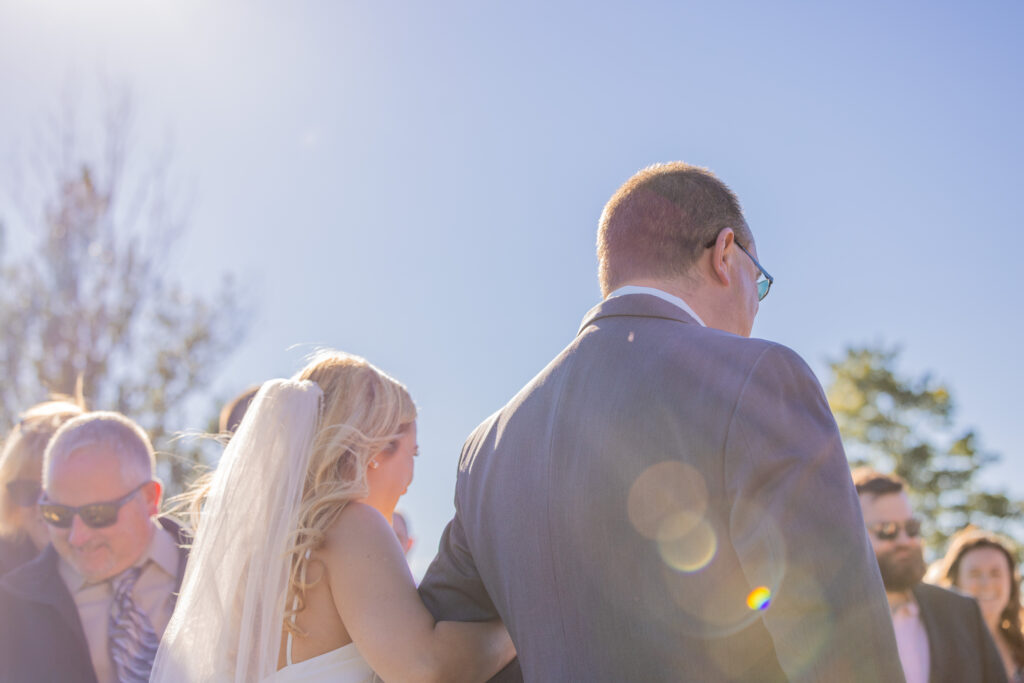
897,598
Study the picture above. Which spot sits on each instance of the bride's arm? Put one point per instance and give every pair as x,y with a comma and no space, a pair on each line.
376,597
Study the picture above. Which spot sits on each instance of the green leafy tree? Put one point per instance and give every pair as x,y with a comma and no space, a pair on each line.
90,295
906,425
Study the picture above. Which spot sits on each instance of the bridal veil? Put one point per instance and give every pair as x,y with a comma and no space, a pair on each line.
228,622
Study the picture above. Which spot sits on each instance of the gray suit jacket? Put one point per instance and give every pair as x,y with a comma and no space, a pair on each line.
618,513
960,646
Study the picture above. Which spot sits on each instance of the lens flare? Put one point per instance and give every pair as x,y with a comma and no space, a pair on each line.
665,490
686,542
713,602
760,598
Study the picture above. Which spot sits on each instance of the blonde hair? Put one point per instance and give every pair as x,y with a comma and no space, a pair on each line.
25,445
364,412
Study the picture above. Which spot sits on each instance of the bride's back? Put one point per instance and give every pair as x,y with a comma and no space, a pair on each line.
359,556
319,622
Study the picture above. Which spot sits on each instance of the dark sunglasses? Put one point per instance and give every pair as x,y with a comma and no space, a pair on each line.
24,492
94,515
888,531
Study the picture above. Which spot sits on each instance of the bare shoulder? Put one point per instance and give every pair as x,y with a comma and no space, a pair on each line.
359,526
364,563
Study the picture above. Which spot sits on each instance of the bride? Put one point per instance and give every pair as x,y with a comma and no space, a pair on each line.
295,573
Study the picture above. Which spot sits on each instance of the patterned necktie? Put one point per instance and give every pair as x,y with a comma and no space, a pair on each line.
132,643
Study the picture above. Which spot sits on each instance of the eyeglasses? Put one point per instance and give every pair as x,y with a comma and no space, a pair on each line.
24,492
888,531
765,283
94,515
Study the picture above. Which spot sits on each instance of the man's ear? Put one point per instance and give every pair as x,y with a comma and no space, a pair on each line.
721,253
153,491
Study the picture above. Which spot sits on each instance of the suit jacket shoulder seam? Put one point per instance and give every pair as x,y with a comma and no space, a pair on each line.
732,415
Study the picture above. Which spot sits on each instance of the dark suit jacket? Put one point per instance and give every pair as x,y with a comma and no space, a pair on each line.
41,636
620,510
15,552
960,645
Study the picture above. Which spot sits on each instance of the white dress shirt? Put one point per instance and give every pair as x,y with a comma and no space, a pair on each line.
154,593
912,641
661,294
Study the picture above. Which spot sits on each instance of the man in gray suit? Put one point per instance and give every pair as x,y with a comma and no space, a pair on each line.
668,499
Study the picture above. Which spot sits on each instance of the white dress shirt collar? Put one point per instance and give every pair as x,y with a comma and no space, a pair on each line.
661,294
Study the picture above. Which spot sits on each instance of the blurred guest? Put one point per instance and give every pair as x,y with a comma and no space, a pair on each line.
983,565
93,605
940,634
22,531
401,527
234,410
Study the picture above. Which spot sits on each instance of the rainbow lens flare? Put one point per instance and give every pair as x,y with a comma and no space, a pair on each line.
759,598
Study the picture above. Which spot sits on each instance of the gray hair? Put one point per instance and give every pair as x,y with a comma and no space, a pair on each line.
114,430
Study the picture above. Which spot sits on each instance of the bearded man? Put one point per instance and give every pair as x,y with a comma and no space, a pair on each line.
940,634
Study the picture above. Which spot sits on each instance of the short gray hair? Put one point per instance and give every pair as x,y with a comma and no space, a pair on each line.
120,434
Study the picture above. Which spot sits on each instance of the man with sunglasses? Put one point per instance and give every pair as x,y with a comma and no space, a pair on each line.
940,634
668,500
93,605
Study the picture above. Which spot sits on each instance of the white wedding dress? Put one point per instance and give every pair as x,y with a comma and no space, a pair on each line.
344,665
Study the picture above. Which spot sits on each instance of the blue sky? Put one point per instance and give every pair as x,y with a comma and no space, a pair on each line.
420,183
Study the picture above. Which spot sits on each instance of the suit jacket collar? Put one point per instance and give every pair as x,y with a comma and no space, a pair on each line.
15,552
183,538
636,306
932,628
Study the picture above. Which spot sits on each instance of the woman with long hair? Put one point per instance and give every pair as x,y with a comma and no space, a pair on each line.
295,573
22,530
983,565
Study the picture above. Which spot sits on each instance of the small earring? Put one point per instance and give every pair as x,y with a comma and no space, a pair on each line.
374,464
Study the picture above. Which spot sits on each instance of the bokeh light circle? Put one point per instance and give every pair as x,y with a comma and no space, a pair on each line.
663,490
686,542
